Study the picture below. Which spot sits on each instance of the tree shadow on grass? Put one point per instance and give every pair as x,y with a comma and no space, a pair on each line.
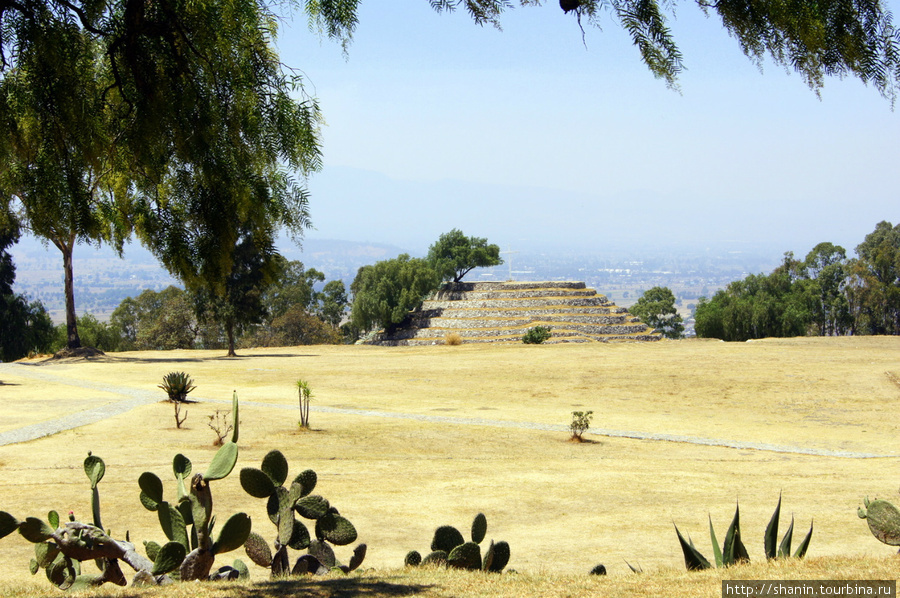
164,359
348,587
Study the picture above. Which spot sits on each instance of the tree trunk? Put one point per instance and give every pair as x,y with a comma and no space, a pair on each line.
73,341
229,332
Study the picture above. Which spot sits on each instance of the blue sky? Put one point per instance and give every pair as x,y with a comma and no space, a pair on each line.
531,139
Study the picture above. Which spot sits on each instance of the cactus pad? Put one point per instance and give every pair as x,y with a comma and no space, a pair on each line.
8,524
359,555
300,538
276,467
233,534
279,502
151,490
446,538
306,481
465,556
258,550
94,468
884,522
323,553
479,528
152,549
412,559
437,558
308,565
168,558
181,466
45,553
501,557
223,461
35,530
256,483
312,507
336,529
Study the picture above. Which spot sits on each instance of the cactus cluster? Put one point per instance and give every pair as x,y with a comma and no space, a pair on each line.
189,523
733,550
883,519
282,504
449,548
61,547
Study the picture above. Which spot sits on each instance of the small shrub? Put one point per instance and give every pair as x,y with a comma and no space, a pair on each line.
177,385
219,424
305,395
536,335
453,339
581,421
179,418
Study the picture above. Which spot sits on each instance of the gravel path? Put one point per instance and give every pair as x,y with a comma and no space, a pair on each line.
132,398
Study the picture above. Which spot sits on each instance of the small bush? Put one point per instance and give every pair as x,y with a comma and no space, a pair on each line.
581,421
304,395
453,339
177,385
536,335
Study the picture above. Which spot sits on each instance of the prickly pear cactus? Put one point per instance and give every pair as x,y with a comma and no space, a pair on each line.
282,504
883,519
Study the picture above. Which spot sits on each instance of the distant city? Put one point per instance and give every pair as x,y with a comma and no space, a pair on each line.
103,280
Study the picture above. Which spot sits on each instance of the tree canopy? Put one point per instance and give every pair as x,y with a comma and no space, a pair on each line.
384,293
454,255
824,294
656,308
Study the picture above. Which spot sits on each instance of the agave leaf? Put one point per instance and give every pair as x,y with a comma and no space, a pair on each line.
733,550
771,537
804,545
717,552
784,549
693,560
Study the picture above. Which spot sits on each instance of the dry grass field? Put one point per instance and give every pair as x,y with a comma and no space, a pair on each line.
407,439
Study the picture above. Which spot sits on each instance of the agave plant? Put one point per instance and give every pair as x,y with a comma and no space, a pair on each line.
177,385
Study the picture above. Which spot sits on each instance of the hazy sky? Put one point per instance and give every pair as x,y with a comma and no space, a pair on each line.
528,137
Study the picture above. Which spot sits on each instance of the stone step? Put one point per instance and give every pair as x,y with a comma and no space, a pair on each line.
456,321
510,286
594,301
566,329
518,339
517,294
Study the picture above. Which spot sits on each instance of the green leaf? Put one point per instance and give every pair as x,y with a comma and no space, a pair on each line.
223,462
168,558
717,552
94,468
804,545
693,560
53,519
784,550
771,536
233,534
235,418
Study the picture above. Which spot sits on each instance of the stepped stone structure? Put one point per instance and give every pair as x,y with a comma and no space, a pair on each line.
491,312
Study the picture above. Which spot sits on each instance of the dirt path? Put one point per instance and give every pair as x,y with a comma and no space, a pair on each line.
132,398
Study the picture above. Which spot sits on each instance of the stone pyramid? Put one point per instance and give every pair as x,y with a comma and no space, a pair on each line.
492,312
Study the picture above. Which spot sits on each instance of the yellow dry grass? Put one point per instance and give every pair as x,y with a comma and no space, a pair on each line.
562,506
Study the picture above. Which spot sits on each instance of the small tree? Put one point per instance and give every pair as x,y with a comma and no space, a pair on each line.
454,255
656,308
305,395
385,293
581,421
536,335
